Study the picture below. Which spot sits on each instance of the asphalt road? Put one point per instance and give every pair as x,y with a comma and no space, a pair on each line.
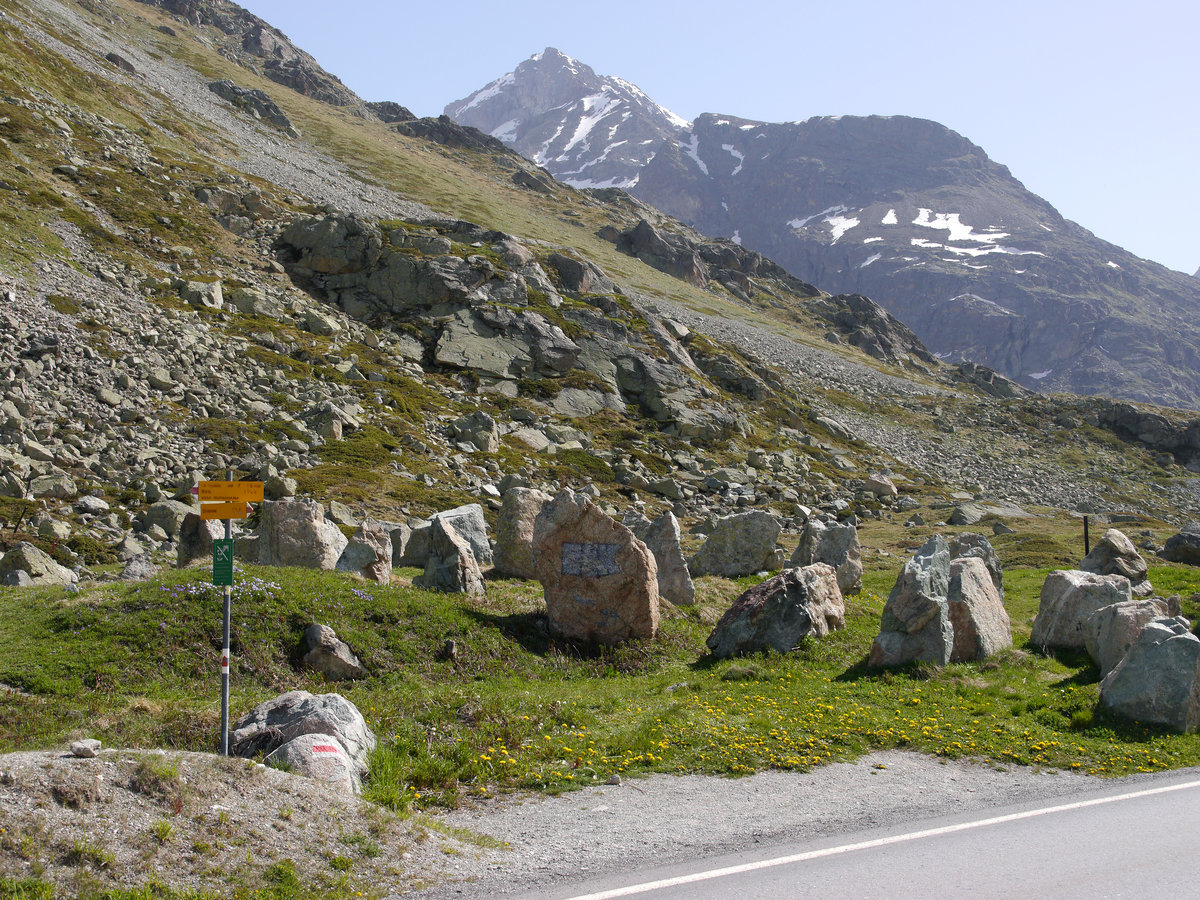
1133,841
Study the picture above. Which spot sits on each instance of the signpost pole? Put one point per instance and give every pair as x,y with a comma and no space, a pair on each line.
226,500
225,643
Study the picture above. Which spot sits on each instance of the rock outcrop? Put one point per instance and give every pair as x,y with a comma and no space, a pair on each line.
835,544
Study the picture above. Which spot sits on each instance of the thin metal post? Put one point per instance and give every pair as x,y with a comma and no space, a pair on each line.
225,645
1087,541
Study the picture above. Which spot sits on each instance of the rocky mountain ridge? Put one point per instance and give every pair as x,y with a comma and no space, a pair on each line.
901,210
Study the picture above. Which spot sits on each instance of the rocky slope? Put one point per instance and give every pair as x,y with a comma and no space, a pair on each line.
902,210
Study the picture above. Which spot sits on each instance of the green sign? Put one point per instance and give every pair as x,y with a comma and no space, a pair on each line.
223,562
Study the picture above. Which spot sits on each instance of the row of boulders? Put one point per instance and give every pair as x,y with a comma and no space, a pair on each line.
1149,660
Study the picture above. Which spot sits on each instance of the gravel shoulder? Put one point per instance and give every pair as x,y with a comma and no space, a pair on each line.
665,819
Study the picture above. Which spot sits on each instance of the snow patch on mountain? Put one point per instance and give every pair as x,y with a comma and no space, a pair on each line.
840,225
796,224
890,218
870,259
489,91
692,149
740,157
959,231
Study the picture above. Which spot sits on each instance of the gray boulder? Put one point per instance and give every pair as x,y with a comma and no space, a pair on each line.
837,545
479,429
916,625
1185,546
661,538
139,568
738,545
368,552
1157,680
295,532
196,537
36,564
469,522
275,722
775,614
1111,630
969,544
168,515
321,757
1114,554
1069,597
977,613
326,653
514,531
451,566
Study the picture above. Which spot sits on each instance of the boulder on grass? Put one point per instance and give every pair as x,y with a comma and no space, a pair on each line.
328,654
1114,554
1185,546
1110,631
738,545
661,538
915,625
369,552
295,532
273,723
837,545
977,613
451,566
196,536
600,582
775,614
513,553
1158,680
1069,597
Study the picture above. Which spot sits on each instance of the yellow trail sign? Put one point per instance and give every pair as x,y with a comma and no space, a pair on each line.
231,491
235,509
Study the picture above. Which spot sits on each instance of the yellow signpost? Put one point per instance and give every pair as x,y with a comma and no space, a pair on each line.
235,509
230,491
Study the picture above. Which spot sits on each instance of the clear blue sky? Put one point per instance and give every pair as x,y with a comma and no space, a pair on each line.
1093,105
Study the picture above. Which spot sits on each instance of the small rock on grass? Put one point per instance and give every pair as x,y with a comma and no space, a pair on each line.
86,749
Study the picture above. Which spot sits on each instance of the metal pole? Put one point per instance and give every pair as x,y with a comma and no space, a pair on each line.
225,645
1087,542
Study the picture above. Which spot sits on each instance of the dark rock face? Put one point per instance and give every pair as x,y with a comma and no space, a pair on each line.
445,131
1185,546
255,102
390,112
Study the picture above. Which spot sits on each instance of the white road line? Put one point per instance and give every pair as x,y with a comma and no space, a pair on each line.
878,842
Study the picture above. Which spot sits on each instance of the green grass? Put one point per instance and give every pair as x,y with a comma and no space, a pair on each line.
137,664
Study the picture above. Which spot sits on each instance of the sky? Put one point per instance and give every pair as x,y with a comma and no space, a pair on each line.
1092,105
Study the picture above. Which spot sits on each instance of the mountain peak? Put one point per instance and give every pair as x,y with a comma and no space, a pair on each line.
590,130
